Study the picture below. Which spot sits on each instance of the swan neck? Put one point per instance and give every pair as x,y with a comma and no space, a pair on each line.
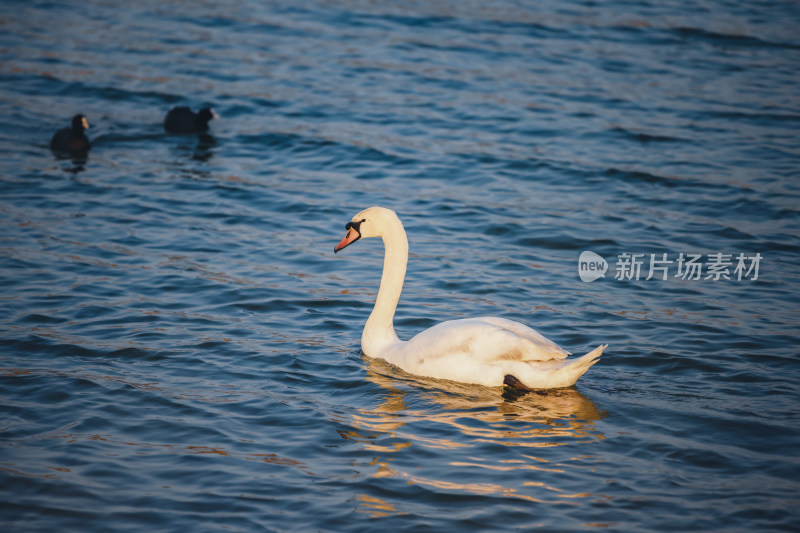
379,331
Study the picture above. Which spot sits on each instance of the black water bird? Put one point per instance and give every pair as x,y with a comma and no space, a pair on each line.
184,120
73,139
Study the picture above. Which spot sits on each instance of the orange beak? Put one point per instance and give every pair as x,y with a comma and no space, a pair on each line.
85,123
349,238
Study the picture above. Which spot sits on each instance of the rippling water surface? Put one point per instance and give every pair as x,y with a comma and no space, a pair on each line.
179,347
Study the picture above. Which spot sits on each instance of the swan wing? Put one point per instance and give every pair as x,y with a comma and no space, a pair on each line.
528,333
485,339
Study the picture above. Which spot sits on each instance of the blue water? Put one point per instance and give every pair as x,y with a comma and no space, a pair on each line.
179,347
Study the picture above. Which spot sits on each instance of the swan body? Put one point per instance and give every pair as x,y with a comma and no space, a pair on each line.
487,351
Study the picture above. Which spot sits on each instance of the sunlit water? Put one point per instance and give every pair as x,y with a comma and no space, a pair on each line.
180,348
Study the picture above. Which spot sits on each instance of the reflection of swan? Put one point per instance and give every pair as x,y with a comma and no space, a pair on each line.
485,351
448,415
554,413
489,446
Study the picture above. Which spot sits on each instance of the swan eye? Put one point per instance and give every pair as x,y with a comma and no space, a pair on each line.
354,225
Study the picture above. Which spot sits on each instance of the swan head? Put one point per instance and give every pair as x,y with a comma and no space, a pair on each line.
370,222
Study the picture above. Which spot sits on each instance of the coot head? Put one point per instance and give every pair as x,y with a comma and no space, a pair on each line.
79,123
72,140
205,115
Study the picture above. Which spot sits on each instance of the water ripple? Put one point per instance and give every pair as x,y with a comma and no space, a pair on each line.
180,347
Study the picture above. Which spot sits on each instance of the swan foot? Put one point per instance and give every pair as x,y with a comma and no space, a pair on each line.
516,389
512,381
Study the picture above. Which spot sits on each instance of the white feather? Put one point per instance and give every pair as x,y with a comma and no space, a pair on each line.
479,350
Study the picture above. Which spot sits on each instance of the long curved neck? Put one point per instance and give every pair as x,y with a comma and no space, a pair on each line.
379,330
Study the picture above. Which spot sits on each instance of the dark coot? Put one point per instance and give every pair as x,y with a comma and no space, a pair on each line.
72,139
184,120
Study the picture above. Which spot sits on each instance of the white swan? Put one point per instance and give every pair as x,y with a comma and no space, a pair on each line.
489,351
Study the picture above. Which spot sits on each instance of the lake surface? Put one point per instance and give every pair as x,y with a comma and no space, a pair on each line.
180,348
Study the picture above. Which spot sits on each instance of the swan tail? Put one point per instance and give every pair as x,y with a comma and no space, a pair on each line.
554,374
585,361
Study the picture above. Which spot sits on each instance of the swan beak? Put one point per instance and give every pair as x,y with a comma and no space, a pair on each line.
350,237
85,123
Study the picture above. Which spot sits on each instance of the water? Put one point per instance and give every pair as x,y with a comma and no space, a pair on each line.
180,347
